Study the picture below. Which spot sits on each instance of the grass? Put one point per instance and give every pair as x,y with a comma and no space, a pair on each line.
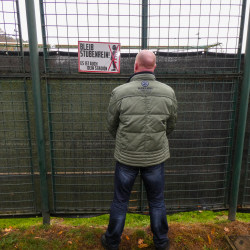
20,223
189,230
204,217
132,220
29,242
139,234
138,220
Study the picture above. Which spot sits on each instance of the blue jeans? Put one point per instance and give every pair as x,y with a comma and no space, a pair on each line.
153,178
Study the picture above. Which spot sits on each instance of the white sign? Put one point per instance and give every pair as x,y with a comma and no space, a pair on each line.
99,57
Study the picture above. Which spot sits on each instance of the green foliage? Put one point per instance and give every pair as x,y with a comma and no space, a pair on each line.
8,241
201,217
178,239
87,235
132,220
191,217
30,243
45,227
93,221
74,232
12,240
139,234
149,240
20,223
199,238
137,220
98,231
206,248
89,238
243,217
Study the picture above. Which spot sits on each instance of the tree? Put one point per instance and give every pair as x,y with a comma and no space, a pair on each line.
6,38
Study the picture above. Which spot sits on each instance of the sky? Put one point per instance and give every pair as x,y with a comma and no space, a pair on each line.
170,22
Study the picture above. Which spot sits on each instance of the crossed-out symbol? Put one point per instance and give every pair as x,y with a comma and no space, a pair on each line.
113,53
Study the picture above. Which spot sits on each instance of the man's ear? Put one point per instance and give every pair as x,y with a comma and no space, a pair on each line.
154,66
136,66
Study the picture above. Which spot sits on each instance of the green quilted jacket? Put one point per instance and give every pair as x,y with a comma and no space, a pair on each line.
140,115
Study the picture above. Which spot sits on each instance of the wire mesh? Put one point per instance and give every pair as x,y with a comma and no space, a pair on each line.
246,192
196,36
187,36
16,171
11,42
17,193
197,172
82,149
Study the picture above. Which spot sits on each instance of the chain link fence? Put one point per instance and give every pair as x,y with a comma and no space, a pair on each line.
198,47
17,186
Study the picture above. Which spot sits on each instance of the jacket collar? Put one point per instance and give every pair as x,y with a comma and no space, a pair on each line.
142,72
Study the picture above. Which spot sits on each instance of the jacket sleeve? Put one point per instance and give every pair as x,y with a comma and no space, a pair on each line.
113,115
171,122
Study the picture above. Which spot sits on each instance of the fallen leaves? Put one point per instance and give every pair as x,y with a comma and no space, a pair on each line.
209,240
140,241
141,244
7,230
182,235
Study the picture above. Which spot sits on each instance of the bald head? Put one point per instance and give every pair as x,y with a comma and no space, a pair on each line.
145,61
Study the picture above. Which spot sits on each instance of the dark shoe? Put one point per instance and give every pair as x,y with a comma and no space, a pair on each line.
105,245
166,247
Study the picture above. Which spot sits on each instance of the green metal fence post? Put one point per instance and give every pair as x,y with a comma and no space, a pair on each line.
36,86
243,15
45,47
20,34
244,99
144,44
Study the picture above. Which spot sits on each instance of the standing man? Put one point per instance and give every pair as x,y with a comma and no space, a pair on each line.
141,114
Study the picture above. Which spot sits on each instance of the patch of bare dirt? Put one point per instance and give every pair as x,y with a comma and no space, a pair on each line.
198,236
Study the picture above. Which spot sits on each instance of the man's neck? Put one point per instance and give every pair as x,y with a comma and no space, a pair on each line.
142,69
141,72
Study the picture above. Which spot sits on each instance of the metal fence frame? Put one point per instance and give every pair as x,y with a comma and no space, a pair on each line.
50,76
16,160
